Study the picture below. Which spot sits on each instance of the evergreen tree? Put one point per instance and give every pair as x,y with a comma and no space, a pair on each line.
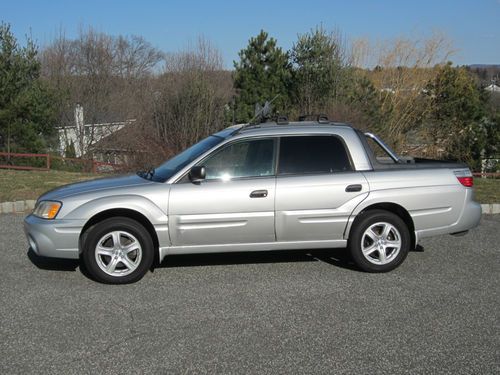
262,73
70,151
319,70
457,108
26,104
360,95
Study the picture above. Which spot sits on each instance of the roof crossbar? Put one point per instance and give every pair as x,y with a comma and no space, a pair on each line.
321,118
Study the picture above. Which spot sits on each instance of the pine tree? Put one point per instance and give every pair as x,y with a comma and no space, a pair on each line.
26,104
262,73
319,70
457,108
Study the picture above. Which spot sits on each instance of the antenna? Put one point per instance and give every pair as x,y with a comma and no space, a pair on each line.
260,112
263,112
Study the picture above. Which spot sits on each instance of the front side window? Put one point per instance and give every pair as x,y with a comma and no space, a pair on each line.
251,158
174,165
312,155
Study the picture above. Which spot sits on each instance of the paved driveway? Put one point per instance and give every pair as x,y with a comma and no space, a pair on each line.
296,312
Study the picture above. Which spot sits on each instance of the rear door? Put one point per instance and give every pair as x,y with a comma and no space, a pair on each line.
317,188
234,204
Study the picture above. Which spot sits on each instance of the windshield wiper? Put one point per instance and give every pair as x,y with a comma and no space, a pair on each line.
151,172
148,175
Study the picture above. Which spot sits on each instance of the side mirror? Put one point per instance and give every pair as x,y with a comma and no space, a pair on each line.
197,173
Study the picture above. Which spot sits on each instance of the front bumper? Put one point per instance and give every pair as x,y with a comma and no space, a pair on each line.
53,238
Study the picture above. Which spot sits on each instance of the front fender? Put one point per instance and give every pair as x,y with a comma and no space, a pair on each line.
125,201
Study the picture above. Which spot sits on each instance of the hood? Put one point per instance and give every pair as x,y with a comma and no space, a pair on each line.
94,185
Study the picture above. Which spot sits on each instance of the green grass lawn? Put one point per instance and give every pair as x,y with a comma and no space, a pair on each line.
487,190
21,185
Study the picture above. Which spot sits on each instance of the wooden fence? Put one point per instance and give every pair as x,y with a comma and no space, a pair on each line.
45,162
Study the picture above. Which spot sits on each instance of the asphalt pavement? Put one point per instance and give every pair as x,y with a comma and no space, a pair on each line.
292,312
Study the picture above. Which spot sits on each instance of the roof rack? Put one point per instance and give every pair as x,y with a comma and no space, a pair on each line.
282,120
279,120
321,118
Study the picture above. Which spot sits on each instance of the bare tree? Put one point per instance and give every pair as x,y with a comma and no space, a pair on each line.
402,68
104,74
189,100
134,57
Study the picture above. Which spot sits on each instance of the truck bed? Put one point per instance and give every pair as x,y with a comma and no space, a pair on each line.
406,162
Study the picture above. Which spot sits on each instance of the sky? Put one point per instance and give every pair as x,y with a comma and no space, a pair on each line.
472,26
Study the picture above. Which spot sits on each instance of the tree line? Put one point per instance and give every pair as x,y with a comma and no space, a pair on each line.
403,89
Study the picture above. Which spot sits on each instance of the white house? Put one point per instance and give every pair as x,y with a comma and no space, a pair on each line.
83,136
493,88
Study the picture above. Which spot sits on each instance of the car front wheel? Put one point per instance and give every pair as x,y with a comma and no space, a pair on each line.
117,250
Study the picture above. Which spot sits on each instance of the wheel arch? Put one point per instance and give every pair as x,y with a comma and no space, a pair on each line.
389,207
124,212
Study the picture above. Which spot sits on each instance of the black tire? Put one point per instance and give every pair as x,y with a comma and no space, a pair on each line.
357,235
132,231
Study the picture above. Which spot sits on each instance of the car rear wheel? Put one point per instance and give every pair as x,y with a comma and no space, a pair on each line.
379,241
117,250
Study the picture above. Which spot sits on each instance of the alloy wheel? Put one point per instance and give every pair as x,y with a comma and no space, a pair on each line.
381,243
118,253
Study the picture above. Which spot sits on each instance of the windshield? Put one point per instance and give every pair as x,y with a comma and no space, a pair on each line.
174,165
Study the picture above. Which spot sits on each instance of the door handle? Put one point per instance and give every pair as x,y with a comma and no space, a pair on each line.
258,194
353,188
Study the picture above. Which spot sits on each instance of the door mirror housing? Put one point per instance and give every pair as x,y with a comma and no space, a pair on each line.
197,173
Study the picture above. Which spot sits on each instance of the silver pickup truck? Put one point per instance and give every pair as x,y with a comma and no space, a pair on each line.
257,187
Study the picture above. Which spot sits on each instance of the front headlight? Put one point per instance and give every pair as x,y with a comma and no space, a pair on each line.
47,209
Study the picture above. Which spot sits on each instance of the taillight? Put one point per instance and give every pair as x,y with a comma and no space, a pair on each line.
466,181
464,176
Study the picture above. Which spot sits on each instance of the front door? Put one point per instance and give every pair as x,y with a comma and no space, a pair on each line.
234,204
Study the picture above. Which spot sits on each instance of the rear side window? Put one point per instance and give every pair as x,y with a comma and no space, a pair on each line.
312,154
